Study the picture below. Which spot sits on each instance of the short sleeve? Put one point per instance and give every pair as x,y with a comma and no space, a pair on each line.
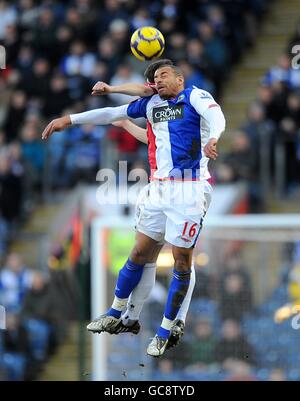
202,100
138,108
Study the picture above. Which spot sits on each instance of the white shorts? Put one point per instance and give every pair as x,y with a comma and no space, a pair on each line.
173,211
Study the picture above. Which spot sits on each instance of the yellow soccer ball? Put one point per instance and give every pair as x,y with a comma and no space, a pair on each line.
147,43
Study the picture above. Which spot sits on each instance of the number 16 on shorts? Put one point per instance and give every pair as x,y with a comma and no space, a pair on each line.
191,231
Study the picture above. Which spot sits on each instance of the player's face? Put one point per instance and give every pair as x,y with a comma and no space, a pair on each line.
168,84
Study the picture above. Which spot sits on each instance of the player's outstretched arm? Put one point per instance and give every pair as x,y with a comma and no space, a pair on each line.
139,133
102,116
133,89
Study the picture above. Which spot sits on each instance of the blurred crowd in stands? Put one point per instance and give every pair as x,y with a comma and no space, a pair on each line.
214,340
30,320
37,305
269,140
227,336
56,51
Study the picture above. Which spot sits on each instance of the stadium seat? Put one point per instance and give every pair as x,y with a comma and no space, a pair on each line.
14,366
39,334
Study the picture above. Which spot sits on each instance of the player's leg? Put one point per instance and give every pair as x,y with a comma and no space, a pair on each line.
177,291
183,226
127,280
130,318
140,294
177,330
181,315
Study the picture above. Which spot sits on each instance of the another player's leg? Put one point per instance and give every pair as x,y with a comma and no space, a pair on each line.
128,278
130,318
177,291
177,330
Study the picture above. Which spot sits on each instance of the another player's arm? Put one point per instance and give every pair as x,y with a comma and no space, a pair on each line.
139,133
212,113
133,89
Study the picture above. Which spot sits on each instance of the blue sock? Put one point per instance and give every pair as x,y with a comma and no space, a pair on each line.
161,332
128,278
114,312
177,291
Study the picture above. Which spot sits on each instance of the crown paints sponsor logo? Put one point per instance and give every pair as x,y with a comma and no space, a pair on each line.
161,114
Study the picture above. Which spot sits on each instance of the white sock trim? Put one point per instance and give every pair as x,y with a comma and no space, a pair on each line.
150,265
119,303
181,315
166,323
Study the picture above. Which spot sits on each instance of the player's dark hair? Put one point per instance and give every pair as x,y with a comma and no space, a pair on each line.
150,70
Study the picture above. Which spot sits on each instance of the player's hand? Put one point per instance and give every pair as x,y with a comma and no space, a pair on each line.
58,124
101,88
210,149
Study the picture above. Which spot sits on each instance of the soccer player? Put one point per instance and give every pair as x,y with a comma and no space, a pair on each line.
130,318
186,125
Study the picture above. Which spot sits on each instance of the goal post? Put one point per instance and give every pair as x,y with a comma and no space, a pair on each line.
99,282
